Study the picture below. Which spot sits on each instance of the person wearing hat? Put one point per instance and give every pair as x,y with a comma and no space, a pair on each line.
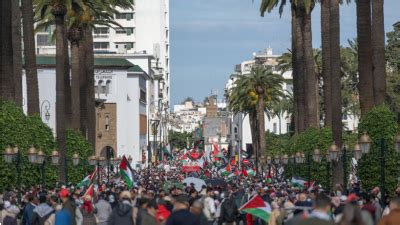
122,213
181,214
42,212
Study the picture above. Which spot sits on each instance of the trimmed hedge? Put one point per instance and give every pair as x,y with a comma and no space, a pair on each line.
23,131
379,123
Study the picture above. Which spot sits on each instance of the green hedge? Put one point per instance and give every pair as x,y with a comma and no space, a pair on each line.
17,129
379,123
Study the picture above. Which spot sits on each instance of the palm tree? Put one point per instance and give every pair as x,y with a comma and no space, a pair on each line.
17,50
7,90
365,85
251,94
378,46
304,79
326,56
30,57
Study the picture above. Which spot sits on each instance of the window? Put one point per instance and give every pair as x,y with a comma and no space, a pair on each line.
101,30
275,130
43,40
100,87
124,16
108,87
142,96
107,123
127,45
101,45
127,30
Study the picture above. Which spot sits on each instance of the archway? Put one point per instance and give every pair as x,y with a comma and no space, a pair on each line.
108,152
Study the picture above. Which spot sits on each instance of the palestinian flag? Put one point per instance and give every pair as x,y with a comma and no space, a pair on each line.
269,178
126,172
89,191
257,207
298,182
87,180
251,172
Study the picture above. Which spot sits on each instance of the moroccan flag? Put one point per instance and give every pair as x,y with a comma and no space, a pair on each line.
257,207
126,172
244,172
87,180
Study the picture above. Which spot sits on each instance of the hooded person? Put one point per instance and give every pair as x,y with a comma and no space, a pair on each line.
42,212
103,210
9,214
122,213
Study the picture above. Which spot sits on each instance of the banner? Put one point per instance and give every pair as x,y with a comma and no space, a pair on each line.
190,167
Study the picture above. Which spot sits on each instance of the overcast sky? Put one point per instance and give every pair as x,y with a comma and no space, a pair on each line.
209,37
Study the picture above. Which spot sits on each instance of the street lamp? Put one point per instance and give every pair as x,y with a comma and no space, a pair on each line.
55,158
357,151
102,161
285,159
333,152
365,143
277,159
317,157
40,157
269,160
92,160
75,159
397,144
9,155
32,154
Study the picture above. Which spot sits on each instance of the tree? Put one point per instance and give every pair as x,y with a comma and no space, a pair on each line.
378,46
30,57
7,90
365,52
17,50
250,95
393,61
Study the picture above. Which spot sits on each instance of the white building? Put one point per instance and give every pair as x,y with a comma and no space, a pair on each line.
240,123
121,87
187,117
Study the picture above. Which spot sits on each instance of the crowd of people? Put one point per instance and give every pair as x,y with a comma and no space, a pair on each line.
151,202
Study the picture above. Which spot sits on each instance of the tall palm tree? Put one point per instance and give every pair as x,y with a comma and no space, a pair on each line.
366,81
378,46
17,50
304,79
326,56
251,94
30,57
7,90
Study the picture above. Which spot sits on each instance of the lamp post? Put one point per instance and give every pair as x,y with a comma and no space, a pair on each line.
365,143
45,106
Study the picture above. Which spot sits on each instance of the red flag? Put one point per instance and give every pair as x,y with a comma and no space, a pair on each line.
236,172
89,191
244,172
228,168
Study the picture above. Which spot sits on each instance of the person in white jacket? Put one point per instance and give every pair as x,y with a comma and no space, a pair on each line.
209,206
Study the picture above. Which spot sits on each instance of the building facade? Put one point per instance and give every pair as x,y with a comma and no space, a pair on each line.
121,96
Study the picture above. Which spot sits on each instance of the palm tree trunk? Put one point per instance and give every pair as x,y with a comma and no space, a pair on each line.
327,85
378,45
67,83
298,67
6,53
336,100
59,12
83,88
365,85
294,73
17,50
30,57
75,86
310,81
254,130
261,125
90,99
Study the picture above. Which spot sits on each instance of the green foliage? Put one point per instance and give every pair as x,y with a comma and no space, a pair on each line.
76,143
276,143
23,131
179,140
393,72
19,130
380,124
307,142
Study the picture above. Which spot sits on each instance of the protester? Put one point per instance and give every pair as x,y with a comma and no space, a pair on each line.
28,210
9,214
87,210
351,215
393,218
42,212
209,206
181,214
122,213
229,211
197,210
103,210
319,215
